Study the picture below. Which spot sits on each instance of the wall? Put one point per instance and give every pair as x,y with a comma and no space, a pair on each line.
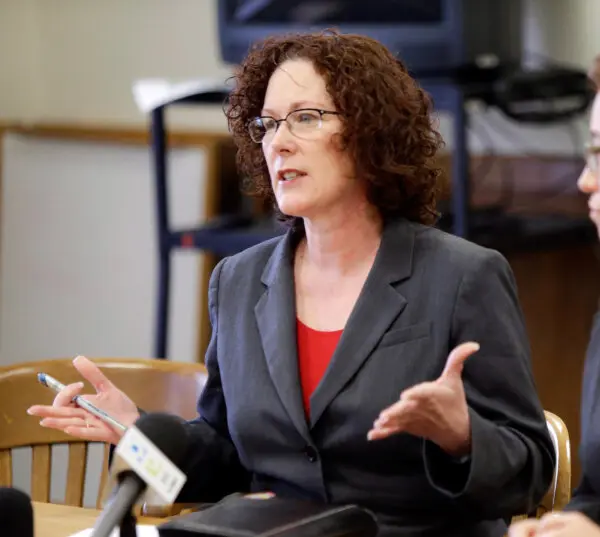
564,30
78,265
20,96
93,51
68,208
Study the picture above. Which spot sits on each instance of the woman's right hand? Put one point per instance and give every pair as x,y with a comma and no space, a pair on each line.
65,416
556,524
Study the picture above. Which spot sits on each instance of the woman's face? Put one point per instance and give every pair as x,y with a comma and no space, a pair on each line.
310,176
589,179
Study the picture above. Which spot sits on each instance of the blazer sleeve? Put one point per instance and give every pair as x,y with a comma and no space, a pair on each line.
512,457
586,496
212,466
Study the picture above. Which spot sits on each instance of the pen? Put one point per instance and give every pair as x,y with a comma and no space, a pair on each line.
56,386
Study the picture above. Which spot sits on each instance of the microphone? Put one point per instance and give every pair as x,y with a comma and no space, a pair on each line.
16,513
146,460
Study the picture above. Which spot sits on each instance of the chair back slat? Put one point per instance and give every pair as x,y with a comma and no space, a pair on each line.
5,468
76,473
41,458
103,477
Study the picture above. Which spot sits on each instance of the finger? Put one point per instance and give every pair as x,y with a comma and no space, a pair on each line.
382,432
92,434
44,411
63,423
456,359
396,412
65,396
78,425
91,372
525,528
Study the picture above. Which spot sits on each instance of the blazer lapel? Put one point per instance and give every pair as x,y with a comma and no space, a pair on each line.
378,305
276,317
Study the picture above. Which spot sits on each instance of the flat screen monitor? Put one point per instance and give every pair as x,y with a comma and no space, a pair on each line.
433,37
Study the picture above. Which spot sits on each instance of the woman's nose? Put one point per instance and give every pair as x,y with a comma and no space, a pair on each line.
588,181
282,141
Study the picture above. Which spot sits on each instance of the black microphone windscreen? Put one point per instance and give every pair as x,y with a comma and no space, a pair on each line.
167,432
16,513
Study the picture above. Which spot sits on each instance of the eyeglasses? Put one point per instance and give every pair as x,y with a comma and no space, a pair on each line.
592,157
302,123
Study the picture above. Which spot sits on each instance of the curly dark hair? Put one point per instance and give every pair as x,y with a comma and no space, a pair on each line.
387,124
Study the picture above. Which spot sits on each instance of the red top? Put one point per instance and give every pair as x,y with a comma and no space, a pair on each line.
315,349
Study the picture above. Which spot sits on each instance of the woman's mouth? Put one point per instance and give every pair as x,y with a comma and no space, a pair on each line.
289,175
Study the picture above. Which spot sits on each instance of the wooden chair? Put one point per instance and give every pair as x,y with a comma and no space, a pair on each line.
559,493
154,385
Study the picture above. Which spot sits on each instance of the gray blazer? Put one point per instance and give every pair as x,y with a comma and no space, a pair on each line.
427,292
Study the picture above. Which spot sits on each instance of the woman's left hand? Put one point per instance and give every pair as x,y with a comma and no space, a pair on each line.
435,410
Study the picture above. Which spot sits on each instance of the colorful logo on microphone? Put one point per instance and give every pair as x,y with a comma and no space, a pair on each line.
142,457
139,452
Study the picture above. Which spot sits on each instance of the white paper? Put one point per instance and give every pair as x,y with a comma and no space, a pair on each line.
143,530
151,93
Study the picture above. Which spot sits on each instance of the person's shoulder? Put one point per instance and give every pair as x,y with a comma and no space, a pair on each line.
453,251
252,259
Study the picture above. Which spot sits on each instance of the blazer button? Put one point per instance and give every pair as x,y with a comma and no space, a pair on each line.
311,453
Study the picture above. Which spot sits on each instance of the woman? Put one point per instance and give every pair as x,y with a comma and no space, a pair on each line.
586,497
337,364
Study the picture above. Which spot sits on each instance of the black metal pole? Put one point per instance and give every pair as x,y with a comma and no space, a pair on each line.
460,166
159,149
